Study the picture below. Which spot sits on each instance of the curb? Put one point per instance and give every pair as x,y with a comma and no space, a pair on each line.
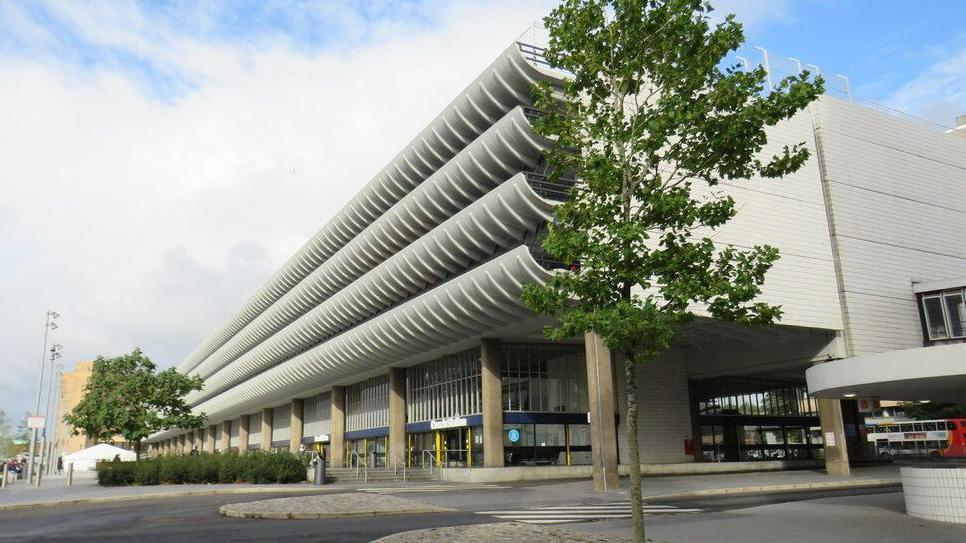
775,489
161,495
225,510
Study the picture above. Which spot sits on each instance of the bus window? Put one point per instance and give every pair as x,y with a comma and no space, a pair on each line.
943,444
932,445
929,426
950,425
917,427
905,427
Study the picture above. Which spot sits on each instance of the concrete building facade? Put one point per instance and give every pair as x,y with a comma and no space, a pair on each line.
70,393
397,335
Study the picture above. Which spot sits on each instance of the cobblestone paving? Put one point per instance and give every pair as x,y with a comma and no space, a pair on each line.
352,504
504,532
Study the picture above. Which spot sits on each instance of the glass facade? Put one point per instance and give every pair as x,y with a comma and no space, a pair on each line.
316,415
446,387
743,419
367,404
544,378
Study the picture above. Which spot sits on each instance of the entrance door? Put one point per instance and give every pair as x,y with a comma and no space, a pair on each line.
455,444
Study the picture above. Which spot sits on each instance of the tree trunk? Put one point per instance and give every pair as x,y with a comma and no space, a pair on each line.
634,464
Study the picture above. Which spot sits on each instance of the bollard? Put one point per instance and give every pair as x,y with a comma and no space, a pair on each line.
3,484
70,473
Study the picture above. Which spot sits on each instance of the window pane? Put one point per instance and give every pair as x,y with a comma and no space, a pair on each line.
955,313
935,324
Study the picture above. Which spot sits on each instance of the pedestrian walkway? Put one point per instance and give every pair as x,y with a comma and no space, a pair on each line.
432,488
561,514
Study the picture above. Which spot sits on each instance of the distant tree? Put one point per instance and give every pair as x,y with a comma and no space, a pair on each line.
928,411
127,396
651,117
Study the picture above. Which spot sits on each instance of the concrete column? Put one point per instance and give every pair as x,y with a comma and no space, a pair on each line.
212,435
225,436
295,426
397,415
490,361
267,429
603,431
242,434
337,428
184,443
837,455
196,439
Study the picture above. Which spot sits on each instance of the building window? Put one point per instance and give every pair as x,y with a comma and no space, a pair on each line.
367,404
944,314
446,387
541,377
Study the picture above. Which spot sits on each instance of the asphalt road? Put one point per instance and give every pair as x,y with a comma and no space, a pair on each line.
851,514
195,519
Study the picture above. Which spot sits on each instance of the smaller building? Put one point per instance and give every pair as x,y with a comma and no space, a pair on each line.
71,389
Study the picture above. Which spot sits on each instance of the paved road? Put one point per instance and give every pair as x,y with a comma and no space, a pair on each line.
862,516
846,516
194,519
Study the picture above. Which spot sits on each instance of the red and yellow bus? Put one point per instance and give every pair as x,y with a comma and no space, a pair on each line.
944,438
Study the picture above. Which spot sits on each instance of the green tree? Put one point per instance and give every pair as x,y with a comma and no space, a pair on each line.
932,410
127,396
650,120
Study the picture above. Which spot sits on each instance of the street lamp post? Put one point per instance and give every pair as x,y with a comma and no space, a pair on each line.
48,326
45,451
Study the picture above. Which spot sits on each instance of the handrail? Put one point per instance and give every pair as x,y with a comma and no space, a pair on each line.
365,466
432,459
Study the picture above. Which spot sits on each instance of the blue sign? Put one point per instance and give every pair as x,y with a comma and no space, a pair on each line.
514,435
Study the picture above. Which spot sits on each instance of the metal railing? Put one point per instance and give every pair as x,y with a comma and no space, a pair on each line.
363,464
432,460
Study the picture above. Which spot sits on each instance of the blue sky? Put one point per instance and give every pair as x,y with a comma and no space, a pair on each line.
159,160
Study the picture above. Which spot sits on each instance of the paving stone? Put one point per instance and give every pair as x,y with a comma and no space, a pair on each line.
502,532
353,504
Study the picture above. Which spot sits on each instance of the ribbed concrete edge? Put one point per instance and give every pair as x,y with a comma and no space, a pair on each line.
773,489
159,495
227,511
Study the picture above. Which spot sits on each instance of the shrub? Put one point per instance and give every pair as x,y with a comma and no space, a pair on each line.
115,473
254,467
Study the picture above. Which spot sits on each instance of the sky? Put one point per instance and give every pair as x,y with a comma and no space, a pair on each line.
160,160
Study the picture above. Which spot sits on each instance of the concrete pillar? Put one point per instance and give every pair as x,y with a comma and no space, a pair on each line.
337,428
210,445
833,431
196,439
295,426
184,443
490,361
225,436
397,416
267,429
242,434
603,431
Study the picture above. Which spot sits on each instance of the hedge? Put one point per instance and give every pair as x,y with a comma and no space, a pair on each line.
252,467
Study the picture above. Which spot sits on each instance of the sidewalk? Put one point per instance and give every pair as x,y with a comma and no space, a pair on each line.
54,491
85,489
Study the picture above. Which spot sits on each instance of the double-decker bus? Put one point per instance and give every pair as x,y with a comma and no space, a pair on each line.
944,438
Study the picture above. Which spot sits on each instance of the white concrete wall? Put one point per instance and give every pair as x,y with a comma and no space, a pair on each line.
898,198
664,418
788,214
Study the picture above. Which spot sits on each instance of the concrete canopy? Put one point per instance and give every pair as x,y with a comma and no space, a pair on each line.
935,373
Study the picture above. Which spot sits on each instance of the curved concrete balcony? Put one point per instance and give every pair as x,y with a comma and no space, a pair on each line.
464,309
506,148
505,84
492,224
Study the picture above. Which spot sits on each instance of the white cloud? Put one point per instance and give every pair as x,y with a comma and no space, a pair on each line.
938,93
147,222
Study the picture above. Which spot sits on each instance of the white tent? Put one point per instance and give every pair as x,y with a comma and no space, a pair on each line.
86,459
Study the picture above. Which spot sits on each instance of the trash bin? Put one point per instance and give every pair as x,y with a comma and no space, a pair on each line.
319,470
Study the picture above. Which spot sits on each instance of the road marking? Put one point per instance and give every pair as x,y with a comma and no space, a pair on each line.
560,514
